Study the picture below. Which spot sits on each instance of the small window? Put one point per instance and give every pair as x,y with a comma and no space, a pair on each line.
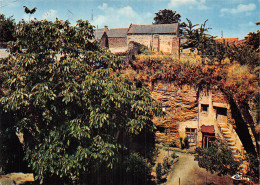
160,129
204,108
191,134
221,111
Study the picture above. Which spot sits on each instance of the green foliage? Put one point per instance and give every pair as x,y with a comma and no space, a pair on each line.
245,53
253,164
145,51
217,158
197,38
64,93
166,165
7,26
137,169
184,143
159,172
253,40
167,16
174,155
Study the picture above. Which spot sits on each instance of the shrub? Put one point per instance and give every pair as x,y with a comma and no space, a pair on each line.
159,172
186,142
137,169
166,165
174,155
218,158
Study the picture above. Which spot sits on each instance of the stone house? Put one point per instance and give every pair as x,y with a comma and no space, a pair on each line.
157,37
117,39
202,117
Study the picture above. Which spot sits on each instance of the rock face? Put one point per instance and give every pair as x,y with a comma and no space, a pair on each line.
16,178
180,104
186,112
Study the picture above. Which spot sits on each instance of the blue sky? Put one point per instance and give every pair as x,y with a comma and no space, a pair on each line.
235,18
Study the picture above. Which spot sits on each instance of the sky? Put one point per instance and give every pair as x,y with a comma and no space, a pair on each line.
234,18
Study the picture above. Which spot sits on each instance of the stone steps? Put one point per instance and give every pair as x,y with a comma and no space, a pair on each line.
231,142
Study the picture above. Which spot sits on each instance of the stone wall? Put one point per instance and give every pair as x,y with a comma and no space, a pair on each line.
116,42
145,40
184,111
164,43
169,44
180,109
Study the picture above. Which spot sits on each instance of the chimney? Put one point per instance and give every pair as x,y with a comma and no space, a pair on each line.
105,28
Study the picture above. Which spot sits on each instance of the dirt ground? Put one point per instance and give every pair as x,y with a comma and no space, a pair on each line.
187,172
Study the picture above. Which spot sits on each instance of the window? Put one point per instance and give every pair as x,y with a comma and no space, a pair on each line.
204,108
160,129
221,111
191,134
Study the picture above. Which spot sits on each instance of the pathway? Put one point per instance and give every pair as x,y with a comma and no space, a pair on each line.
189,173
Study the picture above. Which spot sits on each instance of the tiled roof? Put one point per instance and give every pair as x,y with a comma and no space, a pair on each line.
117,32
227,40
98,33
153,29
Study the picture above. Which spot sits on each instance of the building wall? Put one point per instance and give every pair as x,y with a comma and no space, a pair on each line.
180,107
116,42
184,112
169,44
164,43
4,53
104,41
145,40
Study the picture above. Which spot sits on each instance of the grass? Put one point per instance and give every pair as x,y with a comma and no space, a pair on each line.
175,149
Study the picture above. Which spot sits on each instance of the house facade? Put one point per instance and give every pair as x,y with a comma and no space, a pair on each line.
201,117
157,37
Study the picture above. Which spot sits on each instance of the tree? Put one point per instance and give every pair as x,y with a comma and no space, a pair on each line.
7,26
217,158
197,38
167,16
64,93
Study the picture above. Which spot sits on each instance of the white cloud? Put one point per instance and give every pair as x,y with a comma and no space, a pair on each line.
120,17
250,24
239,9
50,15
200,4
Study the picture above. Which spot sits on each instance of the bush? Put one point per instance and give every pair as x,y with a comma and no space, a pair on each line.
184,143
166,165
159,172
218,158
253,164
173,155
137,169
